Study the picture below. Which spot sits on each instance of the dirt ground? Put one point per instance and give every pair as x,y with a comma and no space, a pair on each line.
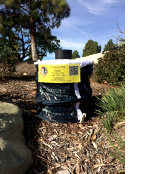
73,148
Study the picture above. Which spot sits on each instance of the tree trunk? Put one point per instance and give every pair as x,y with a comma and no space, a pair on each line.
34,50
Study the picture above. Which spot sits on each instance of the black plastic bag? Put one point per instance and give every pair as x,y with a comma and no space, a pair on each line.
57,101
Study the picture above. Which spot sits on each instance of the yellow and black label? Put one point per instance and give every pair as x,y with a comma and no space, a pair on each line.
62,73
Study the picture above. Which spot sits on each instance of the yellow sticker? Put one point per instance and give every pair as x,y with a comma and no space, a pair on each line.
62,73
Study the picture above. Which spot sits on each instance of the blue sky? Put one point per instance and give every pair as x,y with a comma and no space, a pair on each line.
90,19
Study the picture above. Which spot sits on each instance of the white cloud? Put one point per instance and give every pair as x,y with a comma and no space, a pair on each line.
98,7
70,22
83,32
67,44
75,25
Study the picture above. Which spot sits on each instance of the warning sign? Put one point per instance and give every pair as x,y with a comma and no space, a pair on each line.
62,73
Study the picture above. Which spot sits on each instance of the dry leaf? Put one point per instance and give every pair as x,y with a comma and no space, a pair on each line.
98,170
93,137
33,92
77,167
94,144
98,165
119,124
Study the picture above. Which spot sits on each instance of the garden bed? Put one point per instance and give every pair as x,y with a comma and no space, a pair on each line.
75,148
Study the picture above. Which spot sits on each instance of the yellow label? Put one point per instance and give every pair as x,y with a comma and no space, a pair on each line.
62,73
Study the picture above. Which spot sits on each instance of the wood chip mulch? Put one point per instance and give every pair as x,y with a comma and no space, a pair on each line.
61,148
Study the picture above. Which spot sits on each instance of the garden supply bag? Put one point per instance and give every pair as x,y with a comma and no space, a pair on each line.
62,85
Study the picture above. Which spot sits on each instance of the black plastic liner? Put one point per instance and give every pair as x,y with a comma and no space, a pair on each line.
61,93
58,113
64,113
57,102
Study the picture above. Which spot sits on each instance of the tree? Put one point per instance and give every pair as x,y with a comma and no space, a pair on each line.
75,54
9,42
36,17
110,45
19,41
8,51
91,47
7,60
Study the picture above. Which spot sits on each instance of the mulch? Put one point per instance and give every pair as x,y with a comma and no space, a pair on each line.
76,148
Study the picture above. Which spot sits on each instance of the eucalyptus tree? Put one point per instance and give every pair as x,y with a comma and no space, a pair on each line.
37,17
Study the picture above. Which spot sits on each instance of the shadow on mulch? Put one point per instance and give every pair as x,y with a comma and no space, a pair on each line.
23,78
33,123
91,106
31,134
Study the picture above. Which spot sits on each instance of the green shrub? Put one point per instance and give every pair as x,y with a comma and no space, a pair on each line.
112,107
111,68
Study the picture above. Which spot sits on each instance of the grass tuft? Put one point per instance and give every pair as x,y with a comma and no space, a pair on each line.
112,110
112,107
